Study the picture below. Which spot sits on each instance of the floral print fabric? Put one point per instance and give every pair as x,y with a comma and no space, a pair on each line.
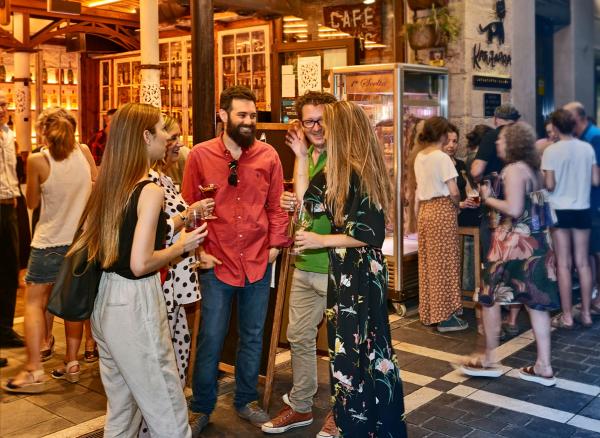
365,377
520,266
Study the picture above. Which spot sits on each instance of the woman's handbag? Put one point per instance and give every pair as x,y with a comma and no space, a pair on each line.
76,287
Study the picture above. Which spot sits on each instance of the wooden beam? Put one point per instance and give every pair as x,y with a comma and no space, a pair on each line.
37,9
203,70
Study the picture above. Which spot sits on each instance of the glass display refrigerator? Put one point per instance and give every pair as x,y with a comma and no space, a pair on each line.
396,97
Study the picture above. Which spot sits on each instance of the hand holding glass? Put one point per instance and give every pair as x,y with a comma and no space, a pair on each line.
209,191
302,221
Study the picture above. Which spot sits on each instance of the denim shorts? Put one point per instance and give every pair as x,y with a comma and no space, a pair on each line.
44,264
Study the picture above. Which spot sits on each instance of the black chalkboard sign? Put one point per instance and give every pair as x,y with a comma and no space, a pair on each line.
491,101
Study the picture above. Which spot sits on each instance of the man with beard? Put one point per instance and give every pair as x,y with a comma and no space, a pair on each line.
242,242
308,291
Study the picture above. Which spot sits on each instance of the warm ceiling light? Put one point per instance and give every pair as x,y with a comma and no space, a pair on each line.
368,2
295,31
334,34
289,18
295,25
101,3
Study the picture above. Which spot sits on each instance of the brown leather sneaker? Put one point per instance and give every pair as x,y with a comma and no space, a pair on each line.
287,419
329,429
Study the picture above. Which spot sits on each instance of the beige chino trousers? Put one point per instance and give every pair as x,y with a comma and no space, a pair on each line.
308,299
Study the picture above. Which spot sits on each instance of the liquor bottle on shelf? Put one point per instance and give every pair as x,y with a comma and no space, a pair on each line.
70,75
10,122
126,75
44,74
120,74
2,71
54,98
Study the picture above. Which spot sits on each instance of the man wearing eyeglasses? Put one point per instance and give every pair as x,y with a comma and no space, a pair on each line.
9,232
244,239
308,291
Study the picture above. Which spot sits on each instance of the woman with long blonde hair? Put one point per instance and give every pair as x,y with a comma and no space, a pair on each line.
124,232
365,376
59,175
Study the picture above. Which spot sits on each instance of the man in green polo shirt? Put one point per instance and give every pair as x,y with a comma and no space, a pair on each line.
308,292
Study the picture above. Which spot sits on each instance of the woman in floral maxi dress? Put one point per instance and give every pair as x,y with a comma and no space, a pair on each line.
520,266
365,376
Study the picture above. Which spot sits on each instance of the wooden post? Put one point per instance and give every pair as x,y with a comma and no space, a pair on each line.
22,97
150,67
279,301
399,40
203,70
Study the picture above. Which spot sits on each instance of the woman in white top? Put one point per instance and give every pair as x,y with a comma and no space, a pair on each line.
570,169
60,178
439,256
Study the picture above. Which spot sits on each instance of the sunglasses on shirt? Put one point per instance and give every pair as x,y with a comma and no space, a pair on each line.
233,176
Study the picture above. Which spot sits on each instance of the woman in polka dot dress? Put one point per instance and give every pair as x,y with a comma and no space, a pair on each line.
181,286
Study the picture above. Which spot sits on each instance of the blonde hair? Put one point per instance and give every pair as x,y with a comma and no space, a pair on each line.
124,163
170,123
57,127
352,146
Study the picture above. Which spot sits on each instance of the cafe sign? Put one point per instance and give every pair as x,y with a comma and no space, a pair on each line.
362,21
375,83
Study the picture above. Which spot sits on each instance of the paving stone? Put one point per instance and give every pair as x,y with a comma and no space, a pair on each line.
582,433
481,434
429,367
593,361
485,424
417,432
550,428
584,351
446,399
474,407
80,408
441,385
418,416
442,411
22,414
511,417
447,427
595,371
592,410
409,388
515,362
41,429
512,431
566,364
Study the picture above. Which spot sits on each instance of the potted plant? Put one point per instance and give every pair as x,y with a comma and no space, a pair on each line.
437,29
417,5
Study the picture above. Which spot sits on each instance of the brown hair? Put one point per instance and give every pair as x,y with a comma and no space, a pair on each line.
313,98
520,144
476,135
434,130
124,163
236,92
57,127
563,120
352,146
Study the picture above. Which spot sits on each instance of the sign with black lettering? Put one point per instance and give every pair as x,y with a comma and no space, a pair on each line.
363,21
491,101
492,82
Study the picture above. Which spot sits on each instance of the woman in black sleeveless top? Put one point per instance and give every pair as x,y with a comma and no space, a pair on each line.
125,231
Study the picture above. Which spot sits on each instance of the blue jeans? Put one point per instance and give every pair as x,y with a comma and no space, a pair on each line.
252,304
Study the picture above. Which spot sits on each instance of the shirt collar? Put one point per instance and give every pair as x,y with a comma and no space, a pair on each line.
585,131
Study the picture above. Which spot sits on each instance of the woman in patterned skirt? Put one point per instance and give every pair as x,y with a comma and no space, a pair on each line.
365,376
520,267
438,196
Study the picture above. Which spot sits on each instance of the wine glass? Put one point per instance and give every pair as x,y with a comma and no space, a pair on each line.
193,220
288,186
209,191
302,221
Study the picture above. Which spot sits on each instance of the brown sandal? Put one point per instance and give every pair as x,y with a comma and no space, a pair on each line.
47,353
529,374
474,367
35,383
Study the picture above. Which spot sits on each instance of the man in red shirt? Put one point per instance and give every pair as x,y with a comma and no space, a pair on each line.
243,240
